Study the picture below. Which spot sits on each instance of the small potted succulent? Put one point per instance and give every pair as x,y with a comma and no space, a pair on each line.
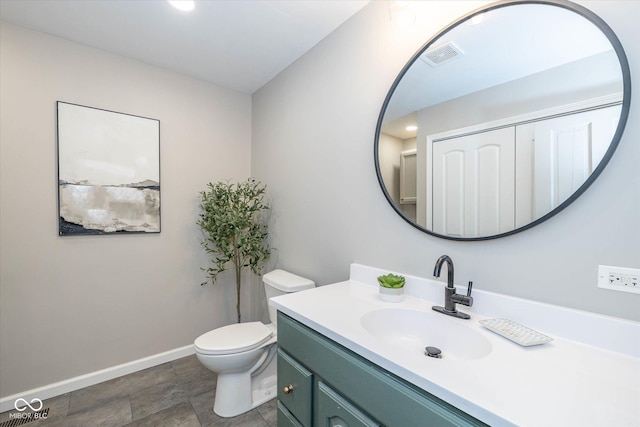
391,287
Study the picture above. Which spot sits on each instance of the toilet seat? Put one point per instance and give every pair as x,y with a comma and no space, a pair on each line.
234,338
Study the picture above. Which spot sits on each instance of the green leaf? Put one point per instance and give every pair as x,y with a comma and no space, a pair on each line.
391,281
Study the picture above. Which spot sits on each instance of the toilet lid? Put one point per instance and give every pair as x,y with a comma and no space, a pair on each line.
233,338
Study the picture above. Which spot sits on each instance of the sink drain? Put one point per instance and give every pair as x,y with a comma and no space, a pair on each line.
433,352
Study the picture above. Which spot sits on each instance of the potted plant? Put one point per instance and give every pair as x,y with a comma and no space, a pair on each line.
232,219
391,287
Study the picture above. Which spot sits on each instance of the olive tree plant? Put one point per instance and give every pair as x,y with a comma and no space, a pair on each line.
233,221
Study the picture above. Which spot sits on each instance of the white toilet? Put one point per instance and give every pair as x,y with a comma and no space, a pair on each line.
243,354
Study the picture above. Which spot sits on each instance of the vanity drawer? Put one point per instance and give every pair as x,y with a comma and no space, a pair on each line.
295,385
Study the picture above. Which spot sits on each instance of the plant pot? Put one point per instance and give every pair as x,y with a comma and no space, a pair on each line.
391,294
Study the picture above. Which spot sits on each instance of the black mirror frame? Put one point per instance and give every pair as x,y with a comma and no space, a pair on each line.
624,114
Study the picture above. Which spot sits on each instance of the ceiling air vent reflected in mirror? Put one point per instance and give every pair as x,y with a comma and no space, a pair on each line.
440,54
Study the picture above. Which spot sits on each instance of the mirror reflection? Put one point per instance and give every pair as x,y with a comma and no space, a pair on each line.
500,120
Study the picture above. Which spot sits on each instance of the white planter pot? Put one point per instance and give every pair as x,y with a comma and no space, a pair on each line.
391,294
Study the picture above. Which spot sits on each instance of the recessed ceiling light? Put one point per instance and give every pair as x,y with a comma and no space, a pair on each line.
411,128
402,14
183,5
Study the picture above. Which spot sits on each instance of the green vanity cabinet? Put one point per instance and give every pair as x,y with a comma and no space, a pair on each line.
321,383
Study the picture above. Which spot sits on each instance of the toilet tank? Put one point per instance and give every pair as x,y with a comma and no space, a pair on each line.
280,282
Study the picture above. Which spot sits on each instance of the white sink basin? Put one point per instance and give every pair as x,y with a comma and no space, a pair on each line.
412,330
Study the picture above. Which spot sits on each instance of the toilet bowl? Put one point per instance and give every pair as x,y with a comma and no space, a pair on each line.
243,354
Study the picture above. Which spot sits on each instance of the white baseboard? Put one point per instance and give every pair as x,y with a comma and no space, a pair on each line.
76,383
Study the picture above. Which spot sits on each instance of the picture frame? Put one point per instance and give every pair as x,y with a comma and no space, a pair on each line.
108,171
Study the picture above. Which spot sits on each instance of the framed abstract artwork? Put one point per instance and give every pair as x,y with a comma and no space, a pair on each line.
108,172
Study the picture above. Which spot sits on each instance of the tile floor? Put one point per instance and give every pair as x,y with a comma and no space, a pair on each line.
174,394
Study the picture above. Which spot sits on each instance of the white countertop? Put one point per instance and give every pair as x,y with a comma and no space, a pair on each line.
589,375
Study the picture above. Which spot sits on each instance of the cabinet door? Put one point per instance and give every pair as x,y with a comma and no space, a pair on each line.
474,184
295,385
333,410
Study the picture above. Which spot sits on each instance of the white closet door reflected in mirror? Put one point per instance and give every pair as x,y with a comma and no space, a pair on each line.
491,178
473,184
565,151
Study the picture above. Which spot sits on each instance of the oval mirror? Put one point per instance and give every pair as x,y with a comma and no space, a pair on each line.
503,119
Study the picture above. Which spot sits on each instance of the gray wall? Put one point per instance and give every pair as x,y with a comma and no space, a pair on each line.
312,143
75,305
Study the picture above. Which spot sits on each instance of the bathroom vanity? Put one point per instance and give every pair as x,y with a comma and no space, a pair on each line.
347,358
331,385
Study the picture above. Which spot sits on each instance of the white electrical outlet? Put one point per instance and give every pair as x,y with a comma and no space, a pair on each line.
619,278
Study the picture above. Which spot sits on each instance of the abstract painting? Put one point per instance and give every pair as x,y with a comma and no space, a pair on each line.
108,172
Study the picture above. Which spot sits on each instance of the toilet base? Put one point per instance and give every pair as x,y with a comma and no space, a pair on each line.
265,391
239,393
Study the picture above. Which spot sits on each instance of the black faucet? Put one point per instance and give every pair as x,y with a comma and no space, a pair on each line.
451,298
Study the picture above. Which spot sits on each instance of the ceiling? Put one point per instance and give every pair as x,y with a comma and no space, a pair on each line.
239,44
488,59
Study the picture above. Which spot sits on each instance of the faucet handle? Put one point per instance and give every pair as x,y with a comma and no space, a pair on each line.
468,300
462,299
